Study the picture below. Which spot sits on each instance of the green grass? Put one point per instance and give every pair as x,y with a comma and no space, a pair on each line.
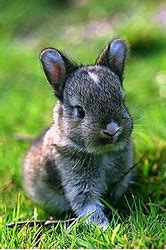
143,228
81,30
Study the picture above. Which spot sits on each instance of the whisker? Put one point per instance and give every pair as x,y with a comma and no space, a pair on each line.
139,119
138,129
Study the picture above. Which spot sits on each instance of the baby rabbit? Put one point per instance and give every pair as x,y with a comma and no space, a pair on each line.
87,153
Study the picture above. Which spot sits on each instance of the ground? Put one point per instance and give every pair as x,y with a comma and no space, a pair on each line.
81,29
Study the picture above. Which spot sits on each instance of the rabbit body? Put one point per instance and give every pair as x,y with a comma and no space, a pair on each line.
87,153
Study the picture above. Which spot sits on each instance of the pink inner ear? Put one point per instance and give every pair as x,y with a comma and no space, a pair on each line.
56,73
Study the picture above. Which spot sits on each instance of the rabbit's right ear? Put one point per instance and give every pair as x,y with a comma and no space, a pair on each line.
114,56
56,67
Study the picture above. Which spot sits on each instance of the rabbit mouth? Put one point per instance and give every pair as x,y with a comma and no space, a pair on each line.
105,145
109,140
106,141
99,145
108,148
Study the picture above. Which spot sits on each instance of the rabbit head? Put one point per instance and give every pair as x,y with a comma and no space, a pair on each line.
92,114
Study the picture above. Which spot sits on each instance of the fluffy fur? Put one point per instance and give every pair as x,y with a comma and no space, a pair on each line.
88,148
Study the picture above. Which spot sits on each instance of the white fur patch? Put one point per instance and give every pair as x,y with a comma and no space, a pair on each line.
94,77
88,209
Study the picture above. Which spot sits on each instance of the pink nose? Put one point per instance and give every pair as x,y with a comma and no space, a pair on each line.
112,131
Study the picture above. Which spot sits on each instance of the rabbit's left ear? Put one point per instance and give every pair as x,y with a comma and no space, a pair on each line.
56,67
113,56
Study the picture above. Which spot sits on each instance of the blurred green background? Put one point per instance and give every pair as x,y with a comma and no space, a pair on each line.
81,29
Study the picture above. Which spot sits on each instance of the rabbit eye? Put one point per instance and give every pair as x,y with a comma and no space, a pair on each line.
80,112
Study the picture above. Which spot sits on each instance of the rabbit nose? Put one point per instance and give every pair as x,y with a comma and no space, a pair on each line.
112,131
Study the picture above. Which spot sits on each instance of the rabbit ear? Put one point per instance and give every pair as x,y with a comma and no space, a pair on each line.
56,67
113,56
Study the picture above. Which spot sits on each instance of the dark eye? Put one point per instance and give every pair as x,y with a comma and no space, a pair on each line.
80,112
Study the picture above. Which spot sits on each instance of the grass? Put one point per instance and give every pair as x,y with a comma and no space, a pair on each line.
134,231
82,30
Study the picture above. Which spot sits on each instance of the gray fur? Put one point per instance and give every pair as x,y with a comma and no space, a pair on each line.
76,161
